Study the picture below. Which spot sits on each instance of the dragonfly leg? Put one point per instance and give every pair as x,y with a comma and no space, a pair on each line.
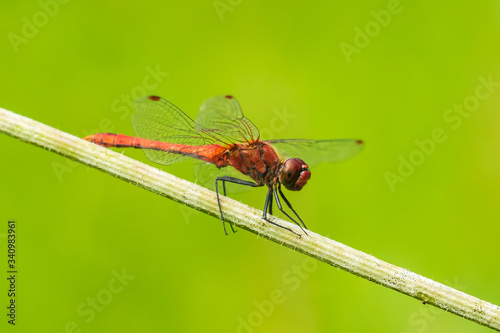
269,202
289,205
270,205
223,224
228,179
278,203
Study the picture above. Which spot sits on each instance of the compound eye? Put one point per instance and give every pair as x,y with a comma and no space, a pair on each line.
294,174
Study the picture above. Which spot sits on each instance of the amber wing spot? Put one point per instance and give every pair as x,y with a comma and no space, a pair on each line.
359,142
228,97
154,98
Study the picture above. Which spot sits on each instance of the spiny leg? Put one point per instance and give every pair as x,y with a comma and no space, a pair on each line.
289,205
278,203
269,201
225,179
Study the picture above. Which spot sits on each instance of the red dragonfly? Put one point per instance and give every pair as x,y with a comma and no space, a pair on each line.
223,136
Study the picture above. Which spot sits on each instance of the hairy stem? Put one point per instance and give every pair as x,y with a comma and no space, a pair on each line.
194,196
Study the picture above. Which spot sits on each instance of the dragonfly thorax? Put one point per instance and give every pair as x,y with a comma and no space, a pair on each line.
294,174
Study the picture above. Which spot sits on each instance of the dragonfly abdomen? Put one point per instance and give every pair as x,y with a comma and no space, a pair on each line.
208,153
114,140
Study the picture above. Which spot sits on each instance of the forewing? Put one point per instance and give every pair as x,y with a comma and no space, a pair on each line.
314,152
159,120
222,118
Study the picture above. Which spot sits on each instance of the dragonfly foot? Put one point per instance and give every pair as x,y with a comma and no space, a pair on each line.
276,224
224,226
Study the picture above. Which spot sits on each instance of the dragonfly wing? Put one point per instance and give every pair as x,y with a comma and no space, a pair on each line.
222,117
206,174
159,120
314,152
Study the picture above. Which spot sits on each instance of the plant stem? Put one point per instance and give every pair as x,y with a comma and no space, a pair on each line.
194,196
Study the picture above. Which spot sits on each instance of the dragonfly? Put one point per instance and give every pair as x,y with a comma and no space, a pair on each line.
223,137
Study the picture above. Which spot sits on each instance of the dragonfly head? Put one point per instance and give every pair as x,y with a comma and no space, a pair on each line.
294,174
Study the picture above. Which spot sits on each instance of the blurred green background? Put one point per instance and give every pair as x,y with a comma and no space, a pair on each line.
388,72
